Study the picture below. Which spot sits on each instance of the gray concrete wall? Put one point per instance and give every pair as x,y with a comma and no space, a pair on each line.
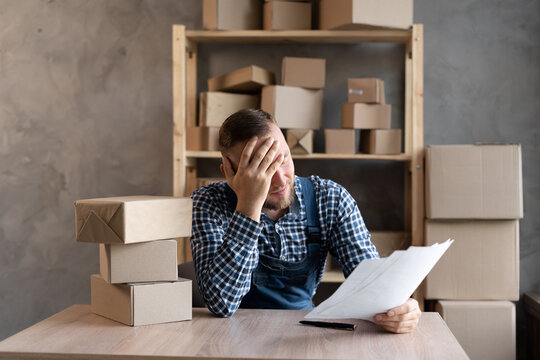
86,111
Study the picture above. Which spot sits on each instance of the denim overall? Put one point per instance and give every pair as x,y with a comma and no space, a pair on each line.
280,284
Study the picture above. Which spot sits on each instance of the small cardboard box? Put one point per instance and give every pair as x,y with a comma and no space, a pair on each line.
217,106
474,182
365,116
141,304
308,73
387,242
481,264
202,138
300,141
132,219
340,141
293,107
366,90
232,14
380,142
248,80
485,329
362,14
286,15
142,262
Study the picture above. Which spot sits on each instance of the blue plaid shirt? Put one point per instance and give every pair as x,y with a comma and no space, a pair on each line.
226,243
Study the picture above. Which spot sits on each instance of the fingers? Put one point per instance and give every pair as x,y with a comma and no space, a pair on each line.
247,152
275,165
261,157
399,327
227,167
400,319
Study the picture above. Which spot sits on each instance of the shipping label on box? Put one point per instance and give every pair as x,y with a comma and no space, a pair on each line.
482,264
287,15
250,79
474,182
202,138
217,106
293,107
365,116
308,73
366,90
485,329
387,242
132,219
141,262
380,142
142,304
232,14
340,141
300,141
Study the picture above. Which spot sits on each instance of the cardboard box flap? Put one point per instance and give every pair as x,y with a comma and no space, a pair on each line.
102,208
96,228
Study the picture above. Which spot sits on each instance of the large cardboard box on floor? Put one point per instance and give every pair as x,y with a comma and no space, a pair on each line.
387,242
232,14
142,262
380,141
361,14
308,73
481,264
143,303
340,141
217,106
366,116
202,138
287,15
474,182
248,80
485,329
132,219
300,141
366,90
293,107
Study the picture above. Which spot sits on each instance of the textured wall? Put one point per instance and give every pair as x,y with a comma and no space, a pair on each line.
86,111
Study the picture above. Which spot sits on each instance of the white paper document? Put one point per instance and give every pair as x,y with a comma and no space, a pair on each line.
378,285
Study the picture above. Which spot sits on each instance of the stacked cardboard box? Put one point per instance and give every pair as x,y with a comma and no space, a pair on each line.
286,15
232,14
474,195
138,282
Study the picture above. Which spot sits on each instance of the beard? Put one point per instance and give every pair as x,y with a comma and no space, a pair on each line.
283,203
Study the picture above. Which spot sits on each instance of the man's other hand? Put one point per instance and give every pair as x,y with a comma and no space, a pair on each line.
402,319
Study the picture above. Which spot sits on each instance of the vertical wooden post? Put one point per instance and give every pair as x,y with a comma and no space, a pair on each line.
179,110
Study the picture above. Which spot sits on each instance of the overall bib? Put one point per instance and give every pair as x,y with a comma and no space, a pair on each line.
280,284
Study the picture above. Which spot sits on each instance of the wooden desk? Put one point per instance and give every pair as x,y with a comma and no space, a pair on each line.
76,333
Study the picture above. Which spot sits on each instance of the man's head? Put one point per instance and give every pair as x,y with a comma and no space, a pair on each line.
234,134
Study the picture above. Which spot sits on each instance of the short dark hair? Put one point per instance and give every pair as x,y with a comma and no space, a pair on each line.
242,126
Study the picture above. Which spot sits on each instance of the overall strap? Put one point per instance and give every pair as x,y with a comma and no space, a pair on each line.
313,224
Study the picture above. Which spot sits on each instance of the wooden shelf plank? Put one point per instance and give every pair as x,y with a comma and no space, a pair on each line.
316,156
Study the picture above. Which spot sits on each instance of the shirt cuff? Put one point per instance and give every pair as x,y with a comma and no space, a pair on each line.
244,230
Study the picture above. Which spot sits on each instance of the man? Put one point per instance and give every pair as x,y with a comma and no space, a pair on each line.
260,239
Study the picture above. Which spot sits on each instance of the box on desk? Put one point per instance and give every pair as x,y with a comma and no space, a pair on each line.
286,15
485,329
293,107
232,14
142,262
474,182
380,141
308,73
365,116
366,90
300,141
132,219
143,303
217,106
340,141
202,138
248,80
481,264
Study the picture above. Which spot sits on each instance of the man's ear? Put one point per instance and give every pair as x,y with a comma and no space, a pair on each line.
222,169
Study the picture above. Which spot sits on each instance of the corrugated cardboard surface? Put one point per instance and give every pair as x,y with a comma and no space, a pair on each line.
340,141
387,242
217,106
366,90
365,116
381,142
360,14
286,15
300,141
308,73
132,219
485,329
247,80
481,264
232,14
474,182
202,138
293,107
143,262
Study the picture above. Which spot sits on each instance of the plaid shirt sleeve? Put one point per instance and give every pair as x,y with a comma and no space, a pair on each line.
224,252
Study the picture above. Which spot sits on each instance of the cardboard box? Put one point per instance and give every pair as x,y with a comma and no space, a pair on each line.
232,14
286,15
141,304
340,141
481,264
308,73
380,142
365,116
293,107
132,219
203,181
366,90
217,106
142,262
362,14
474,182
249,80
387,242
202,138
485,329
300,141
